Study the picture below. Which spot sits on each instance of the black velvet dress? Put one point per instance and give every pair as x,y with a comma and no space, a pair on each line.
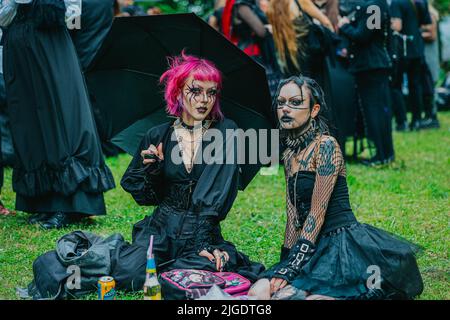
60,166
184,202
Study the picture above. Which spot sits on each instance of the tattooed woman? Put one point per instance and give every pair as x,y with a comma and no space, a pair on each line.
326,252
192,195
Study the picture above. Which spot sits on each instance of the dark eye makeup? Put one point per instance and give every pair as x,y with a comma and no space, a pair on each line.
194,90
293,102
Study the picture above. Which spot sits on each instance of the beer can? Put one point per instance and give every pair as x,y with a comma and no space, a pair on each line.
106,288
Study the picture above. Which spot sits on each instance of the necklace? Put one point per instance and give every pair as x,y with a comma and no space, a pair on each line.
180,124
195,134
294,146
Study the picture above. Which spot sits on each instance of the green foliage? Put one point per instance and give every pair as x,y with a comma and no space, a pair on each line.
443,6
200,7
410,199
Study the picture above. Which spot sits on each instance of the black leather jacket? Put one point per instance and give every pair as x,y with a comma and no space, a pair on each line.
369,45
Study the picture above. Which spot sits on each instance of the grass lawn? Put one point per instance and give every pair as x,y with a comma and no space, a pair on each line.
411,199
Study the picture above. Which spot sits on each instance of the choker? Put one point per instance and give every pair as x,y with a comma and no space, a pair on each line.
296,144
180,124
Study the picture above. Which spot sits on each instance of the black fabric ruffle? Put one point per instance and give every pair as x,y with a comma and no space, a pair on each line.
67,179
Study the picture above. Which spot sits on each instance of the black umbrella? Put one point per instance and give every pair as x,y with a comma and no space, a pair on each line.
123,79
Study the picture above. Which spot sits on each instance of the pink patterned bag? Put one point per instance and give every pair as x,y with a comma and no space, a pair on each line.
235,284
182,284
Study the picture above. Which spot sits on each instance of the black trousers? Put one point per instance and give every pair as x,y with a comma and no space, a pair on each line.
429,105
398,101
374,91
413,67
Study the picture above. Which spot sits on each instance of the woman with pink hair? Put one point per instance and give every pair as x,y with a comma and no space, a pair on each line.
192,196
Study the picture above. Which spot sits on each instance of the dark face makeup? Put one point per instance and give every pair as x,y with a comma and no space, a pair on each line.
293,107
199,98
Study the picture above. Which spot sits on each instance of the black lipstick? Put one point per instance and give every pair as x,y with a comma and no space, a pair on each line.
286,119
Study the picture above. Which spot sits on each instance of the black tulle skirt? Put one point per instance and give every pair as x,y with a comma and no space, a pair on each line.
357,260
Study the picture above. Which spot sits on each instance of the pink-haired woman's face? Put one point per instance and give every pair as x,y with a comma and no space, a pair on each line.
199,98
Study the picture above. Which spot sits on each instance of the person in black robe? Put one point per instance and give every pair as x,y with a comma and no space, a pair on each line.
96,21
60,174
191,196
3,210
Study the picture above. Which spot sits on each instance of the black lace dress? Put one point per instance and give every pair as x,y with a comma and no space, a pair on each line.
189,208
60,165
351,260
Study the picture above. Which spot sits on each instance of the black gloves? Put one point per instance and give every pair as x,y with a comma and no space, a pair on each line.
299,255
284,254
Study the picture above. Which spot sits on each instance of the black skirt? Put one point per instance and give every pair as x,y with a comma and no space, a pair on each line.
357,260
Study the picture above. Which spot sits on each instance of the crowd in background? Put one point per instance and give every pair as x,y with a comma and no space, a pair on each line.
364,71
127,8
369,76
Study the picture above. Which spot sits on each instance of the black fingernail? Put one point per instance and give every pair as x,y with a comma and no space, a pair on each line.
213,260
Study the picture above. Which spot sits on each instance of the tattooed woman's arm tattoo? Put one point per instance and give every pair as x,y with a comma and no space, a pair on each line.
329,163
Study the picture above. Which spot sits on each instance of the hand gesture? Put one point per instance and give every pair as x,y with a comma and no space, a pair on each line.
277,284
219,257
152,154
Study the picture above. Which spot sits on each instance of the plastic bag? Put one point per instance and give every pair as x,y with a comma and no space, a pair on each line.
289,293
215,293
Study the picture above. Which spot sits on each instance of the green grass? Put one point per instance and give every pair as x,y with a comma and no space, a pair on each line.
411,199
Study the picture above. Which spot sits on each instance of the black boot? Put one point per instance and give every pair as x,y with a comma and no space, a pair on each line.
415,125
429,123
37,217
372,162
57,220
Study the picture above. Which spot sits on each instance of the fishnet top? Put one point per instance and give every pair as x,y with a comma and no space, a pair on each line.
322,156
